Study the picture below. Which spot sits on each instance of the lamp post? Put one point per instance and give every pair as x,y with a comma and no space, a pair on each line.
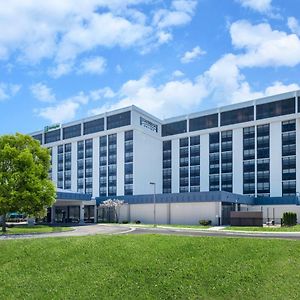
154,203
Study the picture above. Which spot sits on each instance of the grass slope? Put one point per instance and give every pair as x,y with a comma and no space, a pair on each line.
295,228
149,267
25,229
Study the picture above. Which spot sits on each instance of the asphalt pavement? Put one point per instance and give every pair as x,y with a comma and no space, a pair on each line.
110,229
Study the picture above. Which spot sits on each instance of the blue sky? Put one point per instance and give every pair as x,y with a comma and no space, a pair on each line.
60,61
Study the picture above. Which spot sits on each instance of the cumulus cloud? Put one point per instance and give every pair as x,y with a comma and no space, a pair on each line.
92,65
263,46
192,55
181,13
61,31
42,92
294,25
261,6
64,110
222,83
8,90
177,73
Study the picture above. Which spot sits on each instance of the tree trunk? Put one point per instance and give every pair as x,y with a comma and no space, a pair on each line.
4,223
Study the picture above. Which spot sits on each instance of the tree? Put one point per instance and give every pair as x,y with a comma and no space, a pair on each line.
24,183
113,203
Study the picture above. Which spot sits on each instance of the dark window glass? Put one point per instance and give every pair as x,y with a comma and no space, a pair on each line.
129,135
204,122
38,137
195,140
93,126
119,120
241,115
52,136
71,131
174,128
288,126
274,109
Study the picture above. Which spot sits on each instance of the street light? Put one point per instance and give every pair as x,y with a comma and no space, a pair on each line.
154,202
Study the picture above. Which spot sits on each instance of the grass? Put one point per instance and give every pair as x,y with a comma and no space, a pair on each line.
25,229
149,267
295,228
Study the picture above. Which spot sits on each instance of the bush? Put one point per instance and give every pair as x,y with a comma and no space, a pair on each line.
124,222
205,222
137,222
289,219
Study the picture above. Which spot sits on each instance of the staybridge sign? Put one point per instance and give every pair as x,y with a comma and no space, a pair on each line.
52,127
148,124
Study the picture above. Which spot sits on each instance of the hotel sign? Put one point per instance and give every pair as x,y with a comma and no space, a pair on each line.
148,124
52,127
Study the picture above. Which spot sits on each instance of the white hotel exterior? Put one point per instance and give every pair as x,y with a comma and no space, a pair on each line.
250,148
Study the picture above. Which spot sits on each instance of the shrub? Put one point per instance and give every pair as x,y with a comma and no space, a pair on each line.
205,222
125,222
289,219
137,222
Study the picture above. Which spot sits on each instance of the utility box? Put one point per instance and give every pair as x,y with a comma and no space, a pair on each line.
246,218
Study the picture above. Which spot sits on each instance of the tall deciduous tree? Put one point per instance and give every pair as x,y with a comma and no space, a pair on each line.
24,183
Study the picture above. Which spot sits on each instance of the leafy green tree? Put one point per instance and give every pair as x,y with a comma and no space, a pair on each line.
24,183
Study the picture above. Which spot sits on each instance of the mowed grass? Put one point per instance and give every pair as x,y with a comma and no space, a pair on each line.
25,229
149,267
295,228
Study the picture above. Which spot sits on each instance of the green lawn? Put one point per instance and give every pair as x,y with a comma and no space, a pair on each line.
271,229
149,267
25,229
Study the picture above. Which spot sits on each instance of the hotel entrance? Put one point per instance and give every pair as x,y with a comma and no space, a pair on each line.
67,214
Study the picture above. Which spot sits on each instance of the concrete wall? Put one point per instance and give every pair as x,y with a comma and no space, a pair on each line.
173,213
274,211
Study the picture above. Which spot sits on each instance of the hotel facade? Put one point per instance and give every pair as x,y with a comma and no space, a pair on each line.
205,163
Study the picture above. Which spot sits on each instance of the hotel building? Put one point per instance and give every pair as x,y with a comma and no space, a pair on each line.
245,154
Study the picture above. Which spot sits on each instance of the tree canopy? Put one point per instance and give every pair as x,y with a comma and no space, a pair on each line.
24,183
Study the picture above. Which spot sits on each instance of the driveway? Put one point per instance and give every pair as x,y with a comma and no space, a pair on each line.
78,231
121,229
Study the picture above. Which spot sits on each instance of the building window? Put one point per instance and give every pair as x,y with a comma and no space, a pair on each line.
226,161
103,166
288,140
167,167
214,161
236,116
119,120
195,163
249,161
112,165
93,126
174,128
263,160
72,131
128,159
204,122
274,109
38,137
52,136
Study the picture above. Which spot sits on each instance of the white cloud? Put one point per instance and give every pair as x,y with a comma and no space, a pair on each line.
192,55
8,90
177,73
261,6
294,25
164,37
171,98
92,65
61,31
181,13
63,111
42,92
263,46
106,92
61,69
